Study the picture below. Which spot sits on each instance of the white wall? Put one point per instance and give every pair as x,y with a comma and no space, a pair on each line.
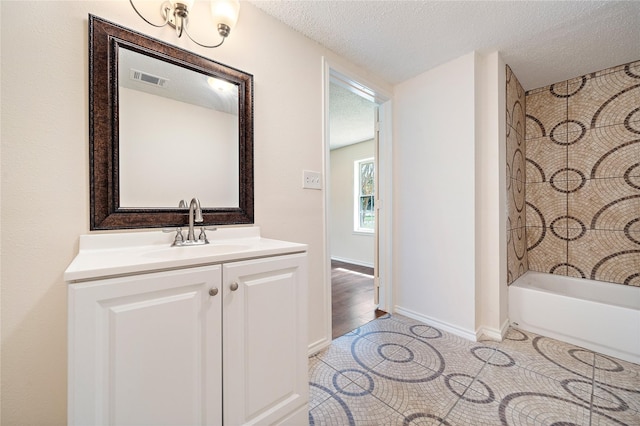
449,256
45,174
346,245
434,196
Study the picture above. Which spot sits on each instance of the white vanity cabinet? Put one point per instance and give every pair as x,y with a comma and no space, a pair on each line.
200,345
146,349
265,346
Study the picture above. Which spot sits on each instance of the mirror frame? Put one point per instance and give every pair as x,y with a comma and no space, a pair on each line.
104,40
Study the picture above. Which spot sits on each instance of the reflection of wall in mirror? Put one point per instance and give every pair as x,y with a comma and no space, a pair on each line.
172,150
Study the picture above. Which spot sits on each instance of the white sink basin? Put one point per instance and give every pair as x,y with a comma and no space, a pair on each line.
169,253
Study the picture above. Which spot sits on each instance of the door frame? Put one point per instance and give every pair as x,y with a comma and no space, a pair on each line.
358,85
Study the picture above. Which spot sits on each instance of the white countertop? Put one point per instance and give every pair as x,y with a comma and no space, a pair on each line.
108,255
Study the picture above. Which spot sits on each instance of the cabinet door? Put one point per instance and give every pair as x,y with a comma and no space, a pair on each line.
146,349
265,340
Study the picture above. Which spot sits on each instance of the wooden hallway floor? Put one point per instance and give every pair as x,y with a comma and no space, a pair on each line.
352,297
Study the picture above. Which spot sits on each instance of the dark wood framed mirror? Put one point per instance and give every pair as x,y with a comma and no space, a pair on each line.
147,150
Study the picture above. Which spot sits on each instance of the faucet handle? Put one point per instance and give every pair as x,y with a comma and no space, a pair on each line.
182,204
203,235
179,237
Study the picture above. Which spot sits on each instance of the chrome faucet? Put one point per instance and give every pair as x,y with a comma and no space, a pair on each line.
195,215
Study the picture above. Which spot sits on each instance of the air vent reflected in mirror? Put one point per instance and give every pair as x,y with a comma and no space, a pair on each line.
144,77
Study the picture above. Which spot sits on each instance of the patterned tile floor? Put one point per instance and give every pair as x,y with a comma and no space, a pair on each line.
397,371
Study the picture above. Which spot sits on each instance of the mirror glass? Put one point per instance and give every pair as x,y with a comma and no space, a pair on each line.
178,135
165,125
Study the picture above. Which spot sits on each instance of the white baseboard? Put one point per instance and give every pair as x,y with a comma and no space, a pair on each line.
317,346
353,262
493,333
450,328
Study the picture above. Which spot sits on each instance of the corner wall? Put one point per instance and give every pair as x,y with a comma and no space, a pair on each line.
491,218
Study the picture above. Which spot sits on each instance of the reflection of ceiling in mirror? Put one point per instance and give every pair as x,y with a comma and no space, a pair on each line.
179,83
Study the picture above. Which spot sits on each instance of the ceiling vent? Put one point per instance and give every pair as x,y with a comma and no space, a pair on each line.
151,79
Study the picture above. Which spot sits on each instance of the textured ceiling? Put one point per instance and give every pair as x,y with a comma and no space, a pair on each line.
351,118
543,41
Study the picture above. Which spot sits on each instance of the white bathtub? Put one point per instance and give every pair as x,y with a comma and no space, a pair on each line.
600,316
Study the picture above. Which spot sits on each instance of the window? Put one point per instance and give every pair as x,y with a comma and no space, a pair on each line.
364,179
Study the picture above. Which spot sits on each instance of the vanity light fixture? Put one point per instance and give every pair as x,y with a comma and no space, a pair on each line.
176,14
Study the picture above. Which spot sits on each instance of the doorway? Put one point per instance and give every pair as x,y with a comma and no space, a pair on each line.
357,204
352,301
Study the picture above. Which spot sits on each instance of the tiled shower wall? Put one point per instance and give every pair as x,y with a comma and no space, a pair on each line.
582,176
516,236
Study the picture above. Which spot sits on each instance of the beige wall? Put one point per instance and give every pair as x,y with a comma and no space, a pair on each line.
45,176
345,244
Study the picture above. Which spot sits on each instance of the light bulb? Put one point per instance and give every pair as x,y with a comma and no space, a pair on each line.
219,84
225,12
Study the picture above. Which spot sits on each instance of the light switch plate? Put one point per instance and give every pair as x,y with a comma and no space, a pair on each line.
311,180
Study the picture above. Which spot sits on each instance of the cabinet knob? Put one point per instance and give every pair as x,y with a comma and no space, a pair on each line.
213,291
233,286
